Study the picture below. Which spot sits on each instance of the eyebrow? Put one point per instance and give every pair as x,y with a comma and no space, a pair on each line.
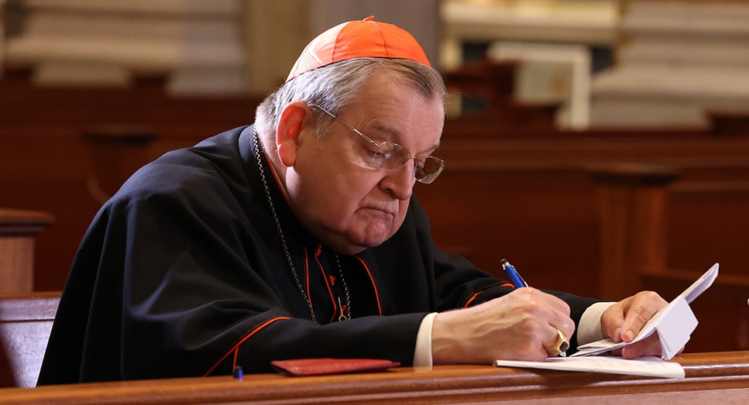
394,133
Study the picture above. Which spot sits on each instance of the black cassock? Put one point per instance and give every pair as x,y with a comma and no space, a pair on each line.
182,273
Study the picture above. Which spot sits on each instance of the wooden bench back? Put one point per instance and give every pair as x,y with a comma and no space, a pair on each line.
25,325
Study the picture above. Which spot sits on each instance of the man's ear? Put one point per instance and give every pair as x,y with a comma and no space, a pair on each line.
290,126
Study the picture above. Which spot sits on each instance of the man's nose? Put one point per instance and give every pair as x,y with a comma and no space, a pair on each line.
400,182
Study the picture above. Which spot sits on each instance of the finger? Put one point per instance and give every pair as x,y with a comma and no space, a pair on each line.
551,336
651,346
558,314
541,306
643,306
612,320
560,344
562,324
546,318
534,340
566,326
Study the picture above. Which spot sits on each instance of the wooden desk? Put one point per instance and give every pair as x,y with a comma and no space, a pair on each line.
711,378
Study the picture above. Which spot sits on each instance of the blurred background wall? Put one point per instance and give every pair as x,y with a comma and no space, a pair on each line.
608,62
223,46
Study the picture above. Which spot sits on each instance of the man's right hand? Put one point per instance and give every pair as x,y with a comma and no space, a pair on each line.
521,325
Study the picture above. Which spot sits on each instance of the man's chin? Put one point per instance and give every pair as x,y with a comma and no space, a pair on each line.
357,244
370,235
355,247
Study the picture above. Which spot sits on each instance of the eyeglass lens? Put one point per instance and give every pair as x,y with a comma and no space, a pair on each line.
391,156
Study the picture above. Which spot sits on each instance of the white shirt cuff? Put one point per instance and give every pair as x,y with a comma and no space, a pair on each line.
423,352
589,329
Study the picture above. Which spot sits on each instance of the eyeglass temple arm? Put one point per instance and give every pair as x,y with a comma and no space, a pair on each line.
345,124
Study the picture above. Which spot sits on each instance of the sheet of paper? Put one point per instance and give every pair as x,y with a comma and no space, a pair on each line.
646,366
675,323
675,329
702,284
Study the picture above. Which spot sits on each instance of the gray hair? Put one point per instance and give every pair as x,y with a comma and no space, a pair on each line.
335,86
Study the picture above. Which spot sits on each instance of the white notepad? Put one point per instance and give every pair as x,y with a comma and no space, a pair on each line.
648,366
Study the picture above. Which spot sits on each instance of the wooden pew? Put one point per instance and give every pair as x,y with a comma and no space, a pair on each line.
146,103
18,229
710,378
710,219
117,151
635,232
537,205
25,325
632,215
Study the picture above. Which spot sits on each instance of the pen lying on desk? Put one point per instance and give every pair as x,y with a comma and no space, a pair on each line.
562,343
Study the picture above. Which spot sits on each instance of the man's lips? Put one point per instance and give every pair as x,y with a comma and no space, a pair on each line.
379,210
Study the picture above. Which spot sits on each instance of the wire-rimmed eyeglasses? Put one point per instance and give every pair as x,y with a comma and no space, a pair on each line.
391,156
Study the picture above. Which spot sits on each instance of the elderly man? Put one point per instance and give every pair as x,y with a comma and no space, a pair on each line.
300,237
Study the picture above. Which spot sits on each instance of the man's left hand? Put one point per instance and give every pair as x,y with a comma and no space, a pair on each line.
623,321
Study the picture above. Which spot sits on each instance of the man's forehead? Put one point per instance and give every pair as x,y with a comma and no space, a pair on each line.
392,109
428,139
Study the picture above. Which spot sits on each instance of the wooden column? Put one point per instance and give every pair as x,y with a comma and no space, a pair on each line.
17,231
632,205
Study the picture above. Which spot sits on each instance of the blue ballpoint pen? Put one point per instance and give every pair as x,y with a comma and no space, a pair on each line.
515,278
562,344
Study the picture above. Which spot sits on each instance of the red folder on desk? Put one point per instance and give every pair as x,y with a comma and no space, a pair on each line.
303,367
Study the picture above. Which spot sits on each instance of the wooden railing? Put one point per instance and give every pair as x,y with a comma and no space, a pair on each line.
710,378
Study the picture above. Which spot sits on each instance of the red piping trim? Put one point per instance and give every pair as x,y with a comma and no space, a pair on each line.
325,277
377,293
470,300
235,349
476,294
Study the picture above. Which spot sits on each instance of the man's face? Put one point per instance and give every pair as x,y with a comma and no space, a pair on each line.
347,205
